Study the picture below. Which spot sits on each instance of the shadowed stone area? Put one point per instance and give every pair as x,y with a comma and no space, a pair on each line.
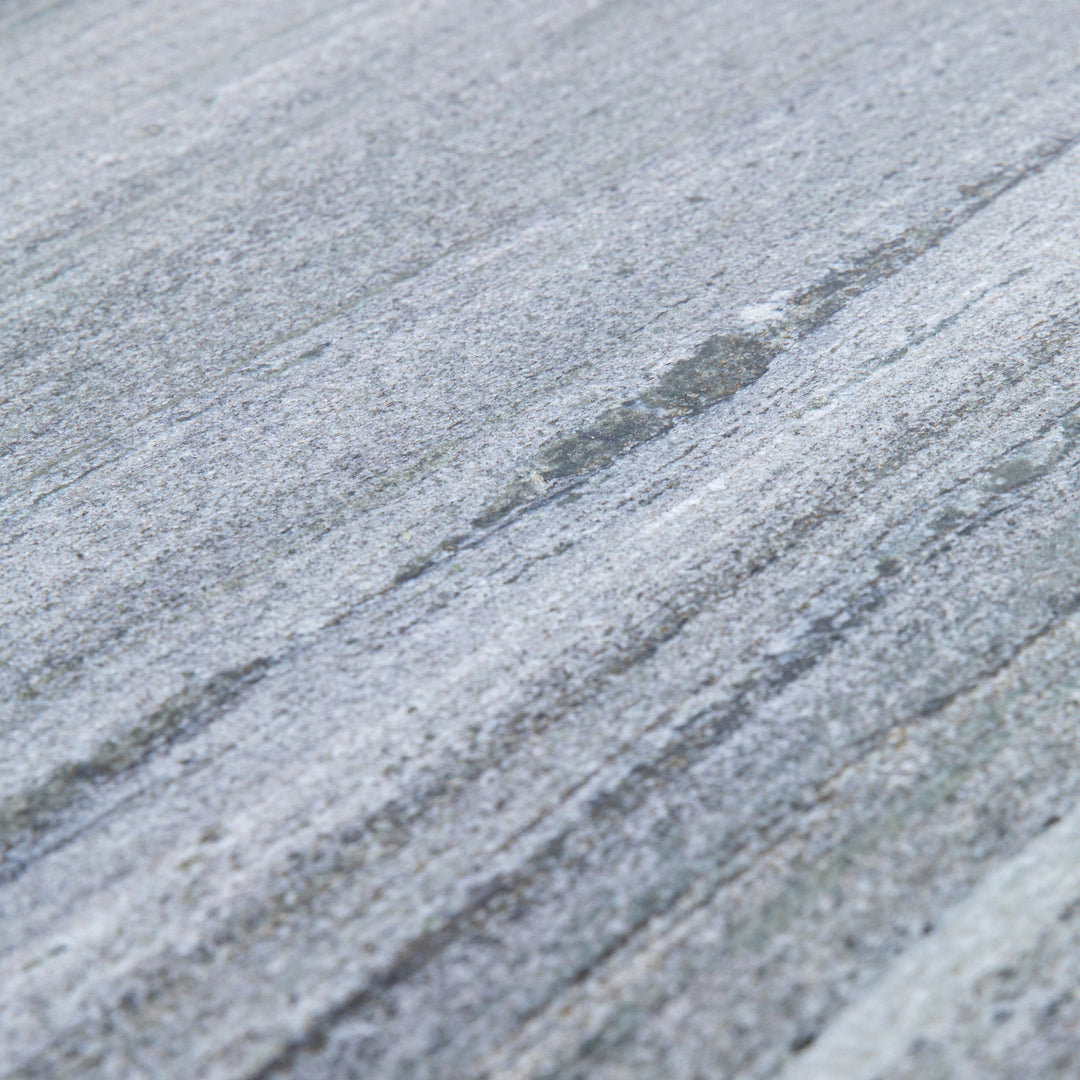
540,541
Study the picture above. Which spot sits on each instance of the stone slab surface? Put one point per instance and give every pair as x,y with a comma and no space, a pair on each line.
539,540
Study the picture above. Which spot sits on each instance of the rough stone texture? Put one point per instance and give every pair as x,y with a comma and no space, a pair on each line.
540,540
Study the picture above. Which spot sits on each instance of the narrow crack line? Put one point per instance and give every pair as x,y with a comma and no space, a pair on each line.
701,895
417,953
995,461
941,702
1041,432
821,633
70,483
29,814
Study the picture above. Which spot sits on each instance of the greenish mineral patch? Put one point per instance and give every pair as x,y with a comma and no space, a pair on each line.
719,367
1015,472
614,432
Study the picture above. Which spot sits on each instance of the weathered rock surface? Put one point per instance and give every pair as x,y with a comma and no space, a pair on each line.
540,540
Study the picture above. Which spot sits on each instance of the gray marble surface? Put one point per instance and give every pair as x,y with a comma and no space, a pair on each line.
539,540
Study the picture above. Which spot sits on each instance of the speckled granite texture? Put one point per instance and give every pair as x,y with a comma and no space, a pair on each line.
540,541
